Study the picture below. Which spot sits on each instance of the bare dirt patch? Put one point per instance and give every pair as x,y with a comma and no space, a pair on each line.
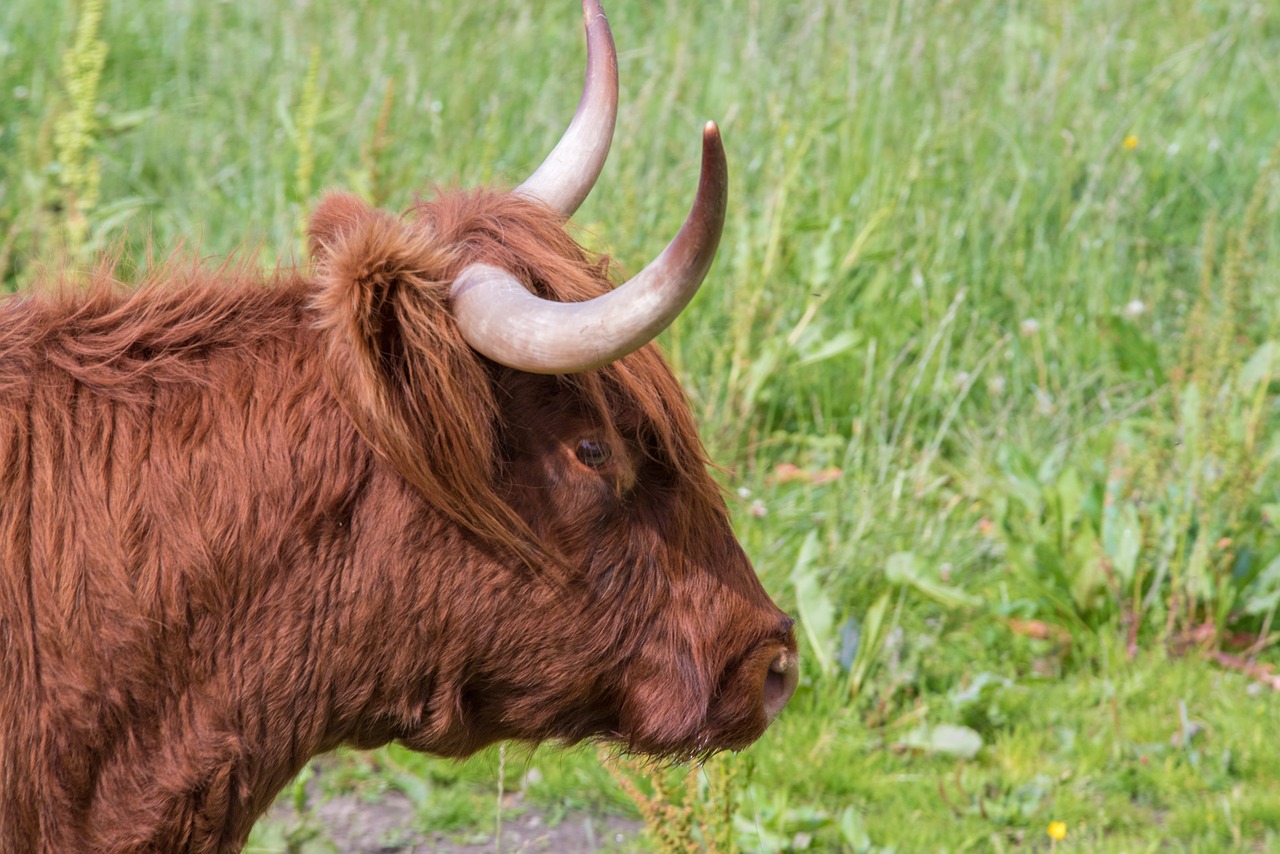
348,823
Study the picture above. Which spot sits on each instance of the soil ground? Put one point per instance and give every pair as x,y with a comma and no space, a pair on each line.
353,825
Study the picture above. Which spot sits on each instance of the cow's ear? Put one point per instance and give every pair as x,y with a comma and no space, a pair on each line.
415,389
335,218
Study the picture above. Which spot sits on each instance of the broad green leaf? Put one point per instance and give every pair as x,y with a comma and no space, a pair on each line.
1070,497
948,739
981,689
1264,593
1122,539
901,569
853,830
869,644
1085,573
1197,581
817,613
831,347
762,368
1260,368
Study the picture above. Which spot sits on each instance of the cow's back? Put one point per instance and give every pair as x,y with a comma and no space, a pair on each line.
145,440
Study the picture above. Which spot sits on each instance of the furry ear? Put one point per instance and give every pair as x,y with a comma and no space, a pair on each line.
338,214
416,391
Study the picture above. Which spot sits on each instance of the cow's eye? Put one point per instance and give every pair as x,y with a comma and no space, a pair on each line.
592,453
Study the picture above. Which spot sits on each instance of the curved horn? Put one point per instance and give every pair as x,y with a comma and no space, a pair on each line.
565,178
498,316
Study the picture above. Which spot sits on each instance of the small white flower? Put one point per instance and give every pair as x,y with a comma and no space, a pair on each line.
996,385
744,492
758,509
1135,308
1029,327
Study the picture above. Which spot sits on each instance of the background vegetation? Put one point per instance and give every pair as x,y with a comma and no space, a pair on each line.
990,355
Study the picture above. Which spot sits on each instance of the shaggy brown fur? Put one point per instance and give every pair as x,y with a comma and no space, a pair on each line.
244,522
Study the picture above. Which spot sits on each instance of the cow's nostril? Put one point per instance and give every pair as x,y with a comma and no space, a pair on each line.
780,683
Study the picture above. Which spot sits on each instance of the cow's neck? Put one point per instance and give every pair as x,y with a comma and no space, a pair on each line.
197,780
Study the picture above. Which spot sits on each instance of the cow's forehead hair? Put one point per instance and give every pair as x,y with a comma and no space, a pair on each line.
638,393
378,271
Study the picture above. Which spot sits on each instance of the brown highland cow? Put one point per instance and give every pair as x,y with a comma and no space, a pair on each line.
439,490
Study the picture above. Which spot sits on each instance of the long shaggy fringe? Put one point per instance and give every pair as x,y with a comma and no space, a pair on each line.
418,392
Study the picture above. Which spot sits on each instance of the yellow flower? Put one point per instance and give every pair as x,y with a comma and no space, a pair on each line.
1130,142
1057,830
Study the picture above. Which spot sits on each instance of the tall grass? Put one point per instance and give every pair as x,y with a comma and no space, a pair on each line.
990,350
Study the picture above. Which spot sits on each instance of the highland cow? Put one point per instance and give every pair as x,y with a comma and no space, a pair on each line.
438,489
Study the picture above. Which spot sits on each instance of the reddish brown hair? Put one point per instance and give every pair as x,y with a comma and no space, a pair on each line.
247,520
414,386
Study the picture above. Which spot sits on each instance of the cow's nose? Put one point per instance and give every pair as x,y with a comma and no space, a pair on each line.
780,682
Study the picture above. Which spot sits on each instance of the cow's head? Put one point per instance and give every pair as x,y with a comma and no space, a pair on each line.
490,361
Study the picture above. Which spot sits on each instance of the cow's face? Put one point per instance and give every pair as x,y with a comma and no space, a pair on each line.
687,650
489,360
637,616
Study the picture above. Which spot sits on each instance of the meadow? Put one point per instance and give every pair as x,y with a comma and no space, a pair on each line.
990,358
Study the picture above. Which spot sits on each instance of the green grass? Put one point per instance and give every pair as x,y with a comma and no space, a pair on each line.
1012,268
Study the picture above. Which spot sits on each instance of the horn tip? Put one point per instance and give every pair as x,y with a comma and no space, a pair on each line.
711,140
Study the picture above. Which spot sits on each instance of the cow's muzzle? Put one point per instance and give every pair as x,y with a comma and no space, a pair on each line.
780,682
